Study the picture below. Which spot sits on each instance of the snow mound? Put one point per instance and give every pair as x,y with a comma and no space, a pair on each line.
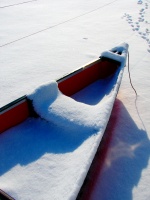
47,92
62,110
55,107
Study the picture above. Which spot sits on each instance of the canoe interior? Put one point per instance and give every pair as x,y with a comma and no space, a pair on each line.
76,81
19,110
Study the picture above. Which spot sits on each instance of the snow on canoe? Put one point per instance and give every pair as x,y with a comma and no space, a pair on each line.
79,104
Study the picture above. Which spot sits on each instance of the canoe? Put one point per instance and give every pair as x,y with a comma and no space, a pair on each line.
79,102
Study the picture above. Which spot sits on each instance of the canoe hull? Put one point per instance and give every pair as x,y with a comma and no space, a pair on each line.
110,63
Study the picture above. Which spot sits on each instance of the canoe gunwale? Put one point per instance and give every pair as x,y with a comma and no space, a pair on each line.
13,103
5,196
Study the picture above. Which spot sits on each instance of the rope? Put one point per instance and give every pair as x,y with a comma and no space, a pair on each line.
136,97
71,19
17,4
130,78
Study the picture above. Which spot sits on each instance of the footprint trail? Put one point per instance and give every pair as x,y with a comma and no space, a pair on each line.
141,24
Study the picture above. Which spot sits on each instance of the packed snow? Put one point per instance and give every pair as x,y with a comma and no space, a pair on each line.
41,41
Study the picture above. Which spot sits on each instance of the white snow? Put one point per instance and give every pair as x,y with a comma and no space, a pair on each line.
41,41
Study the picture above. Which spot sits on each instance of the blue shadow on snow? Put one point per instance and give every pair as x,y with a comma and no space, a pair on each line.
127,154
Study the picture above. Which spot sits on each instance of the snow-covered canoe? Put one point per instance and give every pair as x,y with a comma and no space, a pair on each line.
109,63
80,102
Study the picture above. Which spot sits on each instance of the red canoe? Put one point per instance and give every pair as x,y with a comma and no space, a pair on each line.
109,64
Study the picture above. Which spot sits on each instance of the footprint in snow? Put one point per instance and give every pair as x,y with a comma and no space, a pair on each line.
146,5
142,10
141,20
140,2
147,22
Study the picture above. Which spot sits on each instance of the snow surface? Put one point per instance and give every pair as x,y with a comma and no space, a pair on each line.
44,39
